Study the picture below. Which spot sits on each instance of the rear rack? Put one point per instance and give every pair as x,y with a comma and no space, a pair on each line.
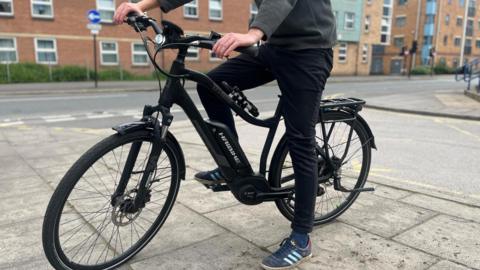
352,103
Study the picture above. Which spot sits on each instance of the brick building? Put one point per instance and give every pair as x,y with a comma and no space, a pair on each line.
435,24
363,27
54,32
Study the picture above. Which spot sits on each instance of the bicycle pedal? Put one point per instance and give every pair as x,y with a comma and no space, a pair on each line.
218,187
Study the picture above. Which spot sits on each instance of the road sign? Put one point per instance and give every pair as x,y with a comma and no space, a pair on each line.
94,28
94,16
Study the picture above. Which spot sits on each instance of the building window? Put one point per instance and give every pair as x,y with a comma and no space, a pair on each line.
42,8
193,53
139,55
349,20
402,2
109,53
342,52
400,21
6,7
106,9
459,21
386,24
8,50
46,51
445,40
215,10
477,44
365,53
447,19
253,11
367,24
399,42
190,10
457,41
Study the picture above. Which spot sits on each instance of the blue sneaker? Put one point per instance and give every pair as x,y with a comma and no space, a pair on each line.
287,256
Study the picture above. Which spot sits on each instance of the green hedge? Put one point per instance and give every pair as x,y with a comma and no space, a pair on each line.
443,69
29,72
421,70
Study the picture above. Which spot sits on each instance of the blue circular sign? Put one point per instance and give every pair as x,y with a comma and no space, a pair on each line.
94,16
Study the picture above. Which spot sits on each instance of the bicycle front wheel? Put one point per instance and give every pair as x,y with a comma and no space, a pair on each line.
353,170
83,229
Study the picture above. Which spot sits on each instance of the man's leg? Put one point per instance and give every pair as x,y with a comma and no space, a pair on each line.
243,71
301,76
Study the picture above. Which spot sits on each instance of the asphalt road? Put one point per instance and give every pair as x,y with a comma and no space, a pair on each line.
427,151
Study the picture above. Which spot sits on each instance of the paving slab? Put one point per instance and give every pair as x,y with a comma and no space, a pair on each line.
452,238
14,167
6,150
444,206
183,227
340,246
447,265
203,200
21,243
42,162
23,208
223,252
382,216
390,193
261,224
16,187
37,264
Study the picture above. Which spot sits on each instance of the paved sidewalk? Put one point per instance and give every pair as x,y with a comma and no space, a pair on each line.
393,228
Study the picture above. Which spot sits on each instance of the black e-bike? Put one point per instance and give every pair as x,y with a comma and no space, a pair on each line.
117,196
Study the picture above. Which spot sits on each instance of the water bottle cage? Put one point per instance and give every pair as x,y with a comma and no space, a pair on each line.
240,99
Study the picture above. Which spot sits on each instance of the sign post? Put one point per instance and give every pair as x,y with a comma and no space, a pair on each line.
95,27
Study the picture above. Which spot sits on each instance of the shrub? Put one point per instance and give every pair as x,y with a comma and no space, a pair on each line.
71,74
25,72
421,70
443,69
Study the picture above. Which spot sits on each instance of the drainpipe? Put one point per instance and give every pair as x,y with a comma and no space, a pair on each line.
464,35
417,27
439,24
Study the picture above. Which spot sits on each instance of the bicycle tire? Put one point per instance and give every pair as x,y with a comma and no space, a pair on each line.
53,249
281,152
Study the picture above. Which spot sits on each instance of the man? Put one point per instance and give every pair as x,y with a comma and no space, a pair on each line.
299,37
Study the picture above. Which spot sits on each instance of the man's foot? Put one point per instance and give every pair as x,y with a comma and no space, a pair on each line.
212,177
289,255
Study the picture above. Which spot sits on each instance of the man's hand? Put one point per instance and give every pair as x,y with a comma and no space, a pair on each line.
138,8
228,43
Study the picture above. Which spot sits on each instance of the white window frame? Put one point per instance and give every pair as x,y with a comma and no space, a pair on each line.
143,53
386,22
7,13
36,2
365,53
9,50
102,51
342,46
210,8
99,8
195,50
348,20
193,4
37,50
368,21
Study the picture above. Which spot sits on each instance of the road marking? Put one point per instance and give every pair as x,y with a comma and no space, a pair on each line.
98,116
58,118
465,132
9,124
60,98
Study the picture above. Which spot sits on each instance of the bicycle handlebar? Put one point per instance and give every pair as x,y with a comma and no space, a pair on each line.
174,36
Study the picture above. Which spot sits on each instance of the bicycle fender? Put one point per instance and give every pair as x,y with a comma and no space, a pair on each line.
369,131
131,127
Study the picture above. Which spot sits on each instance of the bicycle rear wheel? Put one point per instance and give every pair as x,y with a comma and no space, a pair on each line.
83,229
353,171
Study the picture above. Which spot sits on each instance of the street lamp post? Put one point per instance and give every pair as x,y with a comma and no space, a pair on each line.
464,32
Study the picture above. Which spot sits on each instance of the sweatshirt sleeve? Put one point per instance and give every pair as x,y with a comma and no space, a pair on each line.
167,5
271,14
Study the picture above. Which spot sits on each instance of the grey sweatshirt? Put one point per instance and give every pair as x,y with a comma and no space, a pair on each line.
293,24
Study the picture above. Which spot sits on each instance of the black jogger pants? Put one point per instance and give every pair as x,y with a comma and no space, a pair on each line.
301,76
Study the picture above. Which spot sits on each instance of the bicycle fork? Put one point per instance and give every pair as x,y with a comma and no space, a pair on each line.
142,193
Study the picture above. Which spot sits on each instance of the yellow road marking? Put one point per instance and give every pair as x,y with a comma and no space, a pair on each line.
465,132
